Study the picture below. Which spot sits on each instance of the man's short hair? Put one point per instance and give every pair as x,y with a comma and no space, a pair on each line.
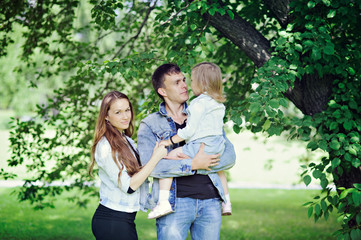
159,75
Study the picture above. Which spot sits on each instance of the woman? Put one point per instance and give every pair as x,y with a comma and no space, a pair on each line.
120,170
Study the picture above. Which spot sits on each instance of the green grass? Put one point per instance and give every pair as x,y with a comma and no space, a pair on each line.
257,214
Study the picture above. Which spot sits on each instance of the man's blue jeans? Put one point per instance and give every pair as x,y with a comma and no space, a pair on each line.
201,217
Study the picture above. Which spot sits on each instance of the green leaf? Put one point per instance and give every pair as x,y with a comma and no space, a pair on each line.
312,145
316,54
351,71
356,197
236,129
307,180
348,125
310,211
299,47
274,103
317,209
255,107
345,192
329,50
316,173
284,102
308,43
335,145
358,218
352,104
331,13
230,14
212,11
352,150
355,234
323,205
335,162
311,4
267,124
324,183
193,27
355,162
323,145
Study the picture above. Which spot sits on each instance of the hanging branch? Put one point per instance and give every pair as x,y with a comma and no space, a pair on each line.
139,30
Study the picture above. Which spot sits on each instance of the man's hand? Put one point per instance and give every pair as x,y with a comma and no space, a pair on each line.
204,161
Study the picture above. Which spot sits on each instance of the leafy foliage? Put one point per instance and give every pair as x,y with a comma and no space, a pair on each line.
120,47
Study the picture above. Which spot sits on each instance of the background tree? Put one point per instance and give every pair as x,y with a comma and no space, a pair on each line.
275,52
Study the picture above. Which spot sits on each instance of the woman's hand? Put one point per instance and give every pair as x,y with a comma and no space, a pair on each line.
159,151
180,156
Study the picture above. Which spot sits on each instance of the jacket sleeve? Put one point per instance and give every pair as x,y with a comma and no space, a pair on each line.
195,113
227,160
104,159
165,168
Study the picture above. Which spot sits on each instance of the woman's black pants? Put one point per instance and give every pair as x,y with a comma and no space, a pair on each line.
110,224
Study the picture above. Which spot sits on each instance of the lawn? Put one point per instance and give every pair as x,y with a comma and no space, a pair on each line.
257,214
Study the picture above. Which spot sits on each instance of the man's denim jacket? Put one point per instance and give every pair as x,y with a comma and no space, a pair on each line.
159,126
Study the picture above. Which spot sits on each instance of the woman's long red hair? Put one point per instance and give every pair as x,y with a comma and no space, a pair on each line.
117,142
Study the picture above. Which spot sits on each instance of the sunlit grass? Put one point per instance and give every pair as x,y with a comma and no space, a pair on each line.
257,214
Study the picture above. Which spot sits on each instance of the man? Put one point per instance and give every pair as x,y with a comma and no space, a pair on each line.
196,190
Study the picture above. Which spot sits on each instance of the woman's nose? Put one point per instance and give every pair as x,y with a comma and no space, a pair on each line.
125,115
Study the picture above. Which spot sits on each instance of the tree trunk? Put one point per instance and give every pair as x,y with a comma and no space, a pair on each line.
311,93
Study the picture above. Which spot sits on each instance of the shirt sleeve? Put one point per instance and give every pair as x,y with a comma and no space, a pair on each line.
165,168
104,159
195,112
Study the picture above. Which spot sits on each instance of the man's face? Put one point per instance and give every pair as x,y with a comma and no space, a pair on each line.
175,88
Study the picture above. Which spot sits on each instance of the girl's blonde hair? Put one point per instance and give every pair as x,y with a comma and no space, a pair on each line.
207,77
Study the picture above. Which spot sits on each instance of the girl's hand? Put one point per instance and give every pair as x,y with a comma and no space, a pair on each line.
159,151
165,143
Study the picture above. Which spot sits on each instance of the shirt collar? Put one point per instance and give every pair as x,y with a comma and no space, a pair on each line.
164,112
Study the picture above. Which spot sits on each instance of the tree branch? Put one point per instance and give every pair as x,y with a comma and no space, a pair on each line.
280,9
139,30
176,14
243,35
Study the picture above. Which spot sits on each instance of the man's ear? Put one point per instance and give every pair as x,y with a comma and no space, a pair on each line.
162,92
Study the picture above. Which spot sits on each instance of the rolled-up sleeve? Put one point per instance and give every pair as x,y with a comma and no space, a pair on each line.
165,168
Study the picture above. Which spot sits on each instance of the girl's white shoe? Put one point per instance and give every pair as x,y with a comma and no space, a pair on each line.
162,208
226,209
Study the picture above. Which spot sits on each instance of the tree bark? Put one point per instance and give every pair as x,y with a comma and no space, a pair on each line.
243,35
311,93
280,9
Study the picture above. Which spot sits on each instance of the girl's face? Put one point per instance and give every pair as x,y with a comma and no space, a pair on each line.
119,114
195,88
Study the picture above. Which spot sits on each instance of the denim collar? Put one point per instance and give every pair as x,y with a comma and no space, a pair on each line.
163,112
